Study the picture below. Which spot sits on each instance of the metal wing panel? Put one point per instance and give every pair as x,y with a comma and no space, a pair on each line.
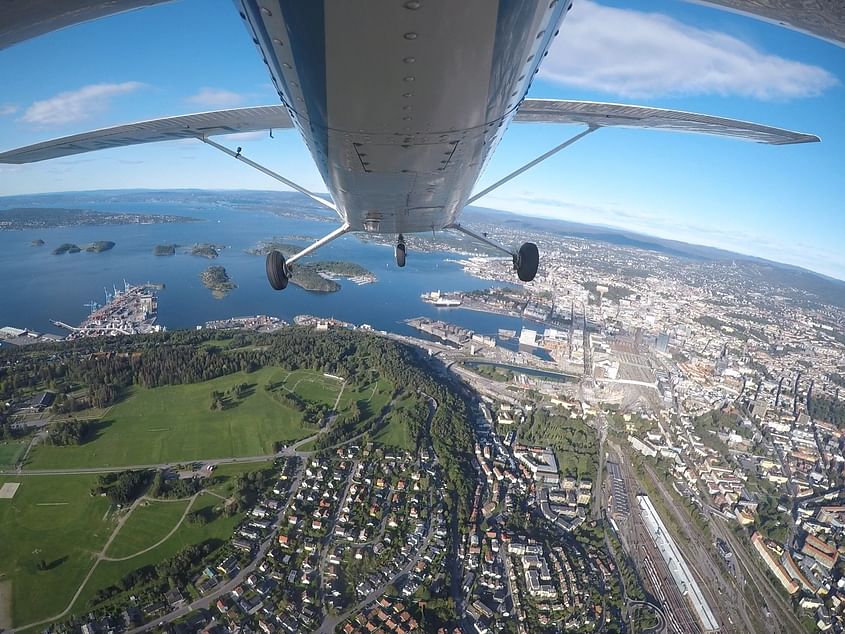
610,114
822,18
22,20
185,126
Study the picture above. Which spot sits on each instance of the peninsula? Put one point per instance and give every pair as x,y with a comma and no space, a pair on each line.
18,218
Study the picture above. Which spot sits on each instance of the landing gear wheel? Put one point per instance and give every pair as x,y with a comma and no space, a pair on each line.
277,270
526,261
400,252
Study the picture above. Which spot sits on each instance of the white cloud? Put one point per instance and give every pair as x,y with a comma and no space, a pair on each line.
216,98
7,108
77,105
639,54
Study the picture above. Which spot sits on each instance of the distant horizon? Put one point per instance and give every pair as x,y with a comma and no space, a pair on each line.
781,203
628,232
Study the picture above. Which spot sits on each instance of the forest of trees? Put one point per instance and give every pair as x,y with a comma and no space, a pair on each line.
827,410
123,487
71,432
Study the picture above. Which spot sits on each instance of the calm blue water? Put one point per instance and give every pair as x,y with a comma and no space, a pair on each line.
37,286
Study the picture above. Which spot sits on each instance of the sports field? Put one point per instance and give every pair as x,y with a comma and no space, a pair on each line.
54,519
176,423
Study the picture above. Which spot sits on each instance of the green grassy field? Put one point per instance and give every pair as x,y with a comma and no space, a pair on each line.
10,452
147,525
53,518
110,572
395,432
175,423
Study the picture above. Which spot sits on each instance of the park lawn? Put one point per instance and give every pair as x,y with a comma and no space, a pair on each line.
10,452
150,522
53,518
109,573
175,423
394,434
395,431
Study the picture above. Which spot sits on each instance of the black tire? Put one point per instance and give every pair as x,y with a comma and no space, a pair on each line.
400,254
277,270
527,261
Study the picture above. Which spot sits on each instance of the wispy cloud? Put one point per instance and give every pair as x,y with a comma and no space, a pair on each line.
77,105
216,98
640,54
7,108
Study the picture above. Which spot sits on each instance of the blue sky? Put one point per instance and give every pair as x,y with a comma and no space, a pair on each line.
783,203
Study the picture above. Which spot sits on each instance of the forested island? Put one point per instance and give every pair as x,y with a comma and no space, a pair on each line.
95,247
209,251
19,218
165,249
318,277
66,247
37,243
217,281
99,246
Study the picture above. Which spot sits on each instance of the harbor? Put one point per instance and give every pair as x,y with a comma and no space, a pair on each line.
130,311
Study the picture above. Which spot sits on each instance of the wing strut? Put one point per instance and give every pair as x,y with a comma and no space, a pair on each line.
279,270
537,160
238,155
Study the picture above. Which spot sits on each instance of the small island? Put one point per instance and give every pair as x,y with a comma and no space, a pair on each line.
66,247
217,281
205,251
99,246
317,277
274,244
165,249
37,243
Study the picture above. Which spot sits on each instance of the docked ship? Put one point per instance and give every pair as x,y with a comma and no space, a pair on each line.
438,299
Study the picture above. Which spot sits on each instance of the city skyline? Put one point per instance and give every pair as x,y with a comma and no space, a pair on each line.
776,203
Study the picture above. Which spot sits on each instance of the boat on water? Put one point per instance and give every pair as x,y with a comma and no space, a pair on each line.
438,299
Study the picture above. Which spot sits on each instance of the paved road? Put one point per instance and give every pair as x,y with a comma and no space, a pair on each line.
206,601
331,622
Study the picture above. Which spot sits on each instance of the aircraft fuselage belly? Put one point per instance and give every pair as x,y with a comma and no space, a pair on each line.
402,103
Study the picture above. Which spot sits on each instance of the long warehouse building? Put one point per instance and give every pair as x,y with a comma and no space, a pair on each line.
676,564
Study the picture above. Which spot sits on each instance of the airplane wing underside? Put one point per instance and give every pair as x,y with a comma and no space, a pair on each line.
20,21
276,117
23,20
599,114
189,126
